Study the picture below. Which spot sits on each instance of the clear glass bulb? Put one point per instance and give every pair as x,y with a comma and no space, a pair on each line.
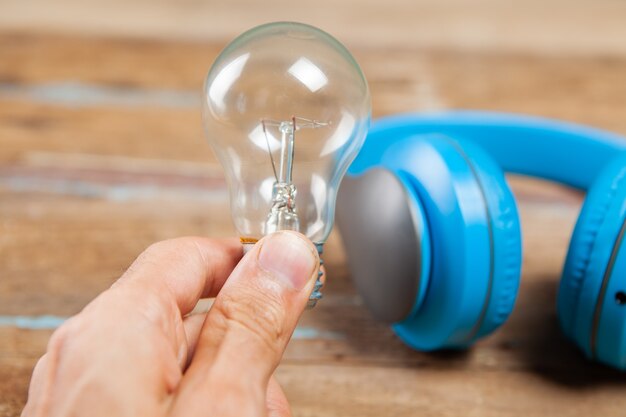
286,109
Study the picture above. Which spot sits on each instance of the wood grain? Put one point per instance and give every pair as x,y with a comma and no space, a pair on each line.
101,153
548,27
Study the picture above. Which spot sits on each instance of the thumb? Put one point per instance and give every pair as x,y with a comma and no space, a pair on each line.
249,325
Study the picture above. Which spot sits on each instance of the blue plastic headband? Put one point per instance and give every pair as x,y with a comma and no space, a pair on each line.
559,151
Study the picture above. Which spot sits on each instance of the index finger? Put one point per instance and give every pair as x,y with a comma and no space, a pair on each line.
187,268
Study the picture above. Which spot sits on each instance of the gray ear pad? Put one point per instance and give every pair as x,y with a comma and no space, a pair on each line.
380,235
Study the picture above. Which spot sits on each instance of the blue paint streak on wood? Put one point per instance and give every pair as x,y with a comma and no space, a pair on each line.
75,94
310,333
32,322
117,192
49,322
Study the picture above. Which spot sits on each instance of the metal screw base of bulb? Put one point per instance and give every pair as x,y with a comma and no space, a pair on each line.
317,289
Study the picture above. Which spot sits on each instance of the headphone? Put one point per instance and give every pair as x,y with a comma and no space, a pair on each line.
432,232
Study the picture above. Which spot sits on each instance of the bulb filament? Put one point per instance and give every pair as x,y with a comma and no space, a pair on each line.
283,214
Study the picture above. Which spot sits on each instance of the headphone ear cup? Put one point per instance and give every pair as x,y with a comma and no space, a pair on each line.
595,271
507,241
476,243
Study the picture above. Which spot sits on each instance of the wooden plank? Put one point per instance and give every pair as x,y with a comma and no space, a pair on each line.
555,27
140,133
120,64
372,391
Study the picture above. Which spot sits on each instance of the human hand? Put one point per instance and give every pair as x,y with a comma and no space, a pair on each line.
136,351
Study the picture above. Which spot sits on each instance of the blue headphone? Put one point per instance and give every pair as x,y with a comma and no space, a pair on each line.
432,232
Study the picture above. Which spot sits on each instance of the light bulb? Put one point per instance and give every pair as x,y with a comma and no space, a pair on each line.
286,110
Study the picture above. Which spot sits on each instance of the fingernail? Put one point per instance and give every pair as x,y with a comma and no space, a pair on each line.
289,257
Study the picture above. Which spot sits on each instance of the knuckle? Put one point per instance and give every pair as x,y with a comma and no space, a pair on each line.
183,248
63,338
160,249
155,250
155,256
59,338
260,313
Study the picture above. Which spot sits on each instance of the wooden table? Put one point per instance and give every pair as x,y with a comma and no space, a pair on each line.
101,153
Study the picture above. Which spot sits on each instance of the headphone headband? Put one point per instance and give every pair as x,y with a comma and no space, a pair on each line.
559,151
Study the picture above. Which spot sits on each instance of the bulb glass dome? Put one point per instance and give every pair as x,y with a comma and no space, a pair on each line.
286,109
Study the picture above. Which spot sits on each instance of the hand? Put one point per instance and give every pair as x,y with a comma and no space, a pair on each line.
136,351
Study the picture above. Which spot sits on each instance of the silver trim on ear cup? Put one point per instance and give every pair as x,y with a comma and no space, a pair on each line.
381,239
597,312
483,311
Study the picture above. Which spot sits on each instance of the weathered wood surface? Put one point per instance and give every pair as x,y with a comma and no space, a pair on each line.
546,26
101,153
